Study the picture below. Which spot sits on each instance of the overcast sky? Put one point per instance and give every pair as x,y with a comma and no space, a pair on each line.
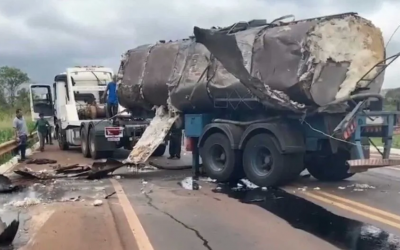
43,37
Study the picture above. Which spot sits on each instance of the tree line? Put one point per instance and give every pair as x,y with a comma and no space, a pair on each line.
12,92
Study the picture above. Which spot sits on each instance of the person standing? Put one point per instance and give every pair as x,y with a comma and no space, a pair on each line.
175,140
21,133
112,98
43,127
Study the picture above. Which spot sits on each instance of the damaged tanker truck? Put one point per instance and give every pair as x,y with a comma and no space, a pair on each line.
266,100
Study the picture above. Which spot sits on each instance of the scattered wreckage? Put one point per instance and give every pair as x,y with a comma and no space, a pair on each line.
97,170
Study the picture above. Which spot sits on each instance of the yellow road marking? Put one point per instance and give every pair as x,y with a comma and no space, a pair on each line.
360,205
353,210
138,232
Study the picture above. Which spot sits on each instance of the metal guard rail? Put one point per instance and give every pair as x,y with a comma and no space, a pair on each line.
9,146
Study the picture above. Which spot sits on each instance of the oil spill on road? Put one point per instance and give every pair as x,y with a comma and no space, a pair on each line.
302,214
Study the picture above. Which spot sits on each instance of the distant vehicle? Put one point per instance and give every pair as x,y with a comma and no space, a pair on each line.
79,114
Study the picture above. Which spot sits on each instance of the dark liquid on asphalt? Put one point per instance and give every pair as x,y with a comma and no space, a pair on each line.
302,214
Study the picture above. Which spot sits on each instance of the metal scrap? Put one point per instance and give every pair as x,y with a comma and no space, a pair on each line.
103,169
6,185
8,233
41,161
71,169
97,170
29,173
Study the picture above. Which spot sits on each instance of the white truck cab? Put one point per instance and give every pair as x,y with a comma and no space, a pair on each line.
79,113
77,98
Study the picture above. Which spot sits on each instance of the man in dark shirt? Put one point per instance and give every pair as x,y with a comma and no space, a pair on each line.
112,100
43,127
175,140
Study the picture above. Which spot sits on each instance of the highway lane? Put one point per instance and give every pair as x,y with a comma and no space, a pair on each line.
151,211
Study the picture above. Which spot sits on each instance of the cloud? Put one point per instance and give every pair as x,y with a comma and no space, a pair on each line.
43,37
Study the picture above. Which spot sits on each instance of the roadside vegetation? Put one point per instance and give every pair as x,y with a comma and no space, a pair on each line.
14,94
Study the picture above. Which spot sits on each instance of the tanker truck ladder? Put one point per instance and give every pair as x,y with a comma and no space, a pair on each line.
152,137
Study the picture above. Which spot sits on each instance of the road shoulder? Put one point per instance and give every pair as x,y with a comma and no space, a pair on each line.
78,226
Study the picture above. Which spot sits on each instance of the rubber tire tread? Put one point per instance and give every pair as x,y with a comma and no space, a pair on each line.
232,171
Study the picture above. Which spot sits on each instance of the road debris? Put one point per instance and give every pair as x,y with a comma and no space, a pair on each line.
189,184
360,187
303,189
98,170
66,199
71,169
40,161
109,195
26,202
8,233
97,203
30,174
342,188
6,185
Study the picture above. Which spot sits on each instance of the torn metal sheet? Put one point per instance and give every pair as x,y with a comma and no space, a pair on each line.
102,169
152,137
29,173
293,66
8,233
5,184
72,169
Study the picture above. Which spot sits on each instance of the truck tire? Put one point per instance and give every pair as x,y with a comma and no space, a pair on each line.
84,143
220,161
264,165
94,153
160,150
62,140
330,168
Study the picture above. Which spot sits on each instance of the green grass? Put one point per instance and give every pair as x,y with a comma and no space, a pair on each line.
6,129
395,142
7,132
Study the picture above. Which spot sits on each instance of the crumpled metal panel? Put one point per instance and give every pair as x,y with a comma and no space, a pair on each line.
159,69
131,76
269,65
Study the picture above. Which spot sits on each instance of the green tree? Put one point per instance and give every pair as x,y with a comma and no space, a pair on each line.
22,99
11,79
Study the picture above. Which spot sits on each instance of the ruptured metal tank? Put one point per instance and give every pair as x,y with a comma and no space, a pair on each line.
288,65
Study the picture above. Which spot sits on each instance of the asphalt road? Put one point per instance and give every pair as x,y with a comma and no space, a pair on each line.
151,210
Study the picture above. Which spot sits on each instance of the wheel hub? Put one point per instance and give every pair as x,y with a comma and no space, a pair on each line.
218,158
262,162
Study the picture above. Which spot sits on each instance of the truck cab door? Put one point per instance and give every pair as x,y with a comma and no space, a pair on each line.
41,101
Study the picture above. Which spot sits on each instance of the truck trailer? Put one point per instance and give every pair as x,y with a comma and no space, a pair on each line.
79,113
266,100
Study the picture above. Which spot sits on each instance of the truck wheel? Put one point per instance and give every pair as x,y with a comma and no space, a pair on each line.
84,143
94,153
220,161
265,166
62,140
330,168
160,150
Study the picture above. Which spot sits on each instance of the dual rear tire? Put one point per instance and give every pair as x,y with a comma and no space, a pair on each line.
89,146
261,162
